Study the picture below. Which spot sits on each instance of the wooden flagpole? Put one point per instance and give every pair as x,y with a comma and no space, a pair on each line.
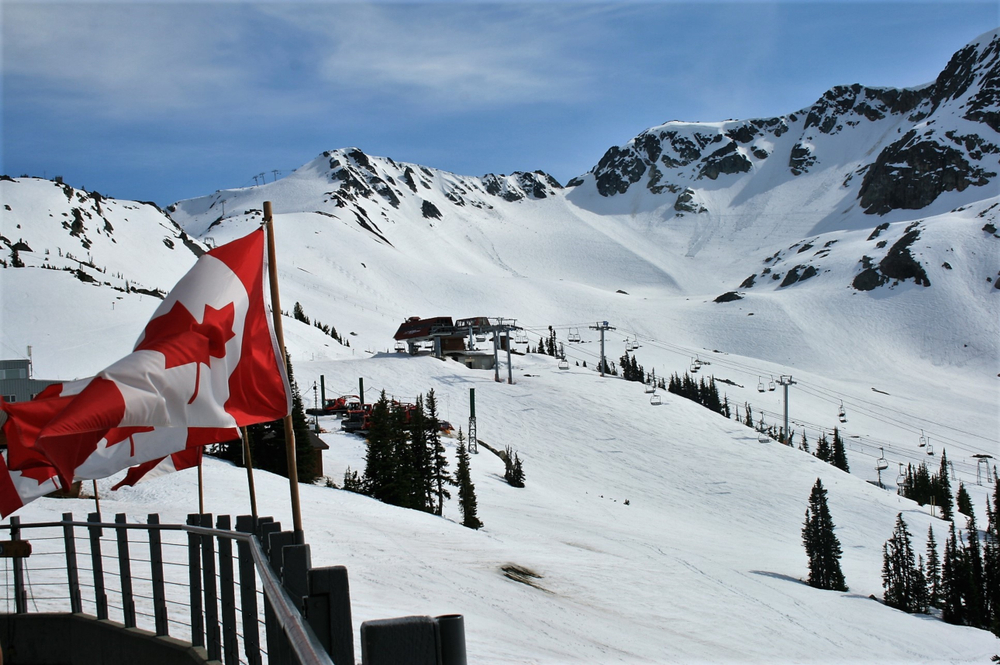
248,463
293,470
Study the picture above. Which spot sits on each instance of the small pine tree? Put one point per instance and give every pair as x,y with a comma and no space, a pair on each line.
963,500
932,571
943,488
823,450
439,475
903,582
952,580
839,453
513,472
299,313
822,545
804,446
991,560
466,488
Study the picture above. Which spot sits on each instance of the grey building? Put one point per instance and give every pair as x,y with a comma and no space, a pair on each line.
16,384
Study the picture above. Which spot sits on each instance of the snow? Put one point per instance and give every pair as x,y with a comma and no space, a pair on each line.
705,563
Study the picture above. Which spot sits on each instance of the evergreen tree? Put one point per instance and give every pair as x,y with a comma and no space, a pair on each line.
964,501
903,582
379,465
933,570
513,471
991,561
822,545
466,489
943,489
823,450
749,415
952,580
975,607
299,314
804,446
439,461
305,454
839,454
422,490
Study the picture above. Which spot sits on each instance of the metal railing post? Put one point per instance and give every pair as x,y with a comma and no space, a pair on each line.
156,570
20,595
72,571
248,592
194,582
228,594
213,636
125,571
97,563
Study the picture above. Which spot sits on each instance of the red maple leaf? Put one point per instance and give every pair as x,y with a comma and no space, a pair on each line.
182,340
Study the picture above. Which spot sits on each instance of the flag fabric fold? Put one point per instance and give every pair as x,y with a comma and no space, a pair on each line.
207,363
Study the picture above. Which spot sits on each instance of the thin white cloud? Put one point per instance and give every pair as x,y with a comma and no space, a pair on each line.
125,57
454,57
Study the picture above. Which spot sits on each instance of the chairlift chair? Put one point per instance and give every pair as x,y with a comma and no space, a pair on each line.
923,440
400,346
842,414
520,337
650,388
564,364
770,385
695,365
762,437
901,478
881,464
574,335
760,385
930,447
655,400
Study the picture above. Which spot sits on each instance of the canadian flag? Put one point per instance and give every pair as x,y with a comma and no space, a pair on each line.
186,459
206,363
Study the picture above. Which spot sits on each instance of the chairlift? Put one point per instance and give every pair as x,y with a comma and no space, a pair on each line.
400,346
842,415
520,337
923,440
770,385
650,388
760,385
563,364
930,447
695,365
762,437
574,335
480,338
655,400
881,464
901,478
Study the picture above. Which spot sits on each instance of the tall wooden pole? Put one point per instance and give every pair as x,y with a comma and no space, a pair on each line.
293,470
248,463
97,500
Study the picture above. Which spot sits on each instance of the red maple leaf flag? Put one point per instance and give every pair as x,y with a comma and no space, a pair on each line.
186,459
208,360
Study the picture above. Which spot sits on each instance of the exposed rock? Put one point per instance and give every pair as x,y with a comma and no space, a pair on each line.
429,210
685,202
749,281
911,173
727,160
900,264
617,170
878,230
801,159
729,296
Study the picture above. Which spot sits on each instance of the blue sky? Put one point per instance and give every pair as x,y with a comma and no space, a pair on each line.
163,101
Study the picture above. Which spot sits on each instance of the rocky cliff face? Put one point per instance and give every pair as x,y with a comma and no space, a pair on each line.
940,138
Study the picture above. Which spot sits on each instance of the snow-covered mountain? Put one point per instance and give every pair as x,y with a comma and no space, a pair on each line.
854,244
